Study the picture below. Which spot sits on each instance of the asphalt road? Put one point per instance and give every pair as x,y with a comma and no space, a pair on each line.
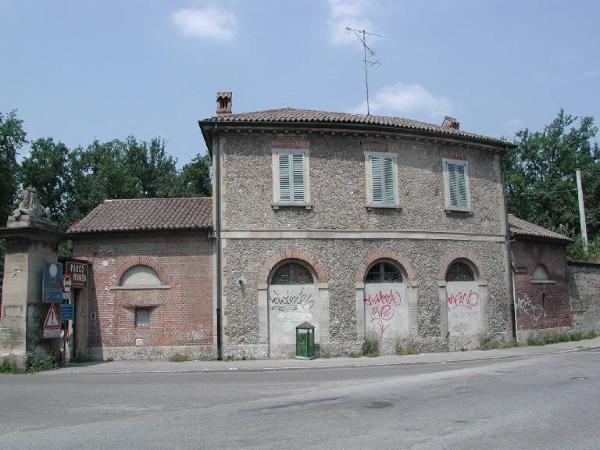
550,401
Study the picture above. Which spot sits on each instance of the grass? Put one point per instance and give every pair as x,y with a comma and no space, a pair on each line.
178,357
48,362
408,349
370,346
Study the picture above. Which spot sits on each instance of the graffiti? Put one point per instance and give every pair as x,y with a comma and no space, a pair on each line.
463,299
382,307
460,327
525,306
292,301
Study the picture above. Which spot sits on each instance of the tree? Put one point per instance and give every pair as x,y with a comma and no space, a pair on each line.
46,168
540,175
195,176
12,138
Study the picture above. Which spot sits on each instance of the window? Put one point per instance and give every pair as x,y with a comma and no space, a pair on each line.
456,178
291,177
540,274
384,272
460,271
292,273
142,317
381,184
140,276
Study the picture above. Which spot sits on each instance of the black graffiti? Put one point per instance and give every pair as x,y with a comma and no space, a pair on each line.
287,302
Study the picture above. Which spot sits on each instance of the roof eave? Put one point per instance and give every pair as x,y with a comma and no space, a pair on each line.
502,147
87,233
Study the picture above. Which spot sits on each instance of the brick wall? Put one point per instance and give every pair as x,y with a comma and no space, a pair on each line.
541,305
181,310
584,289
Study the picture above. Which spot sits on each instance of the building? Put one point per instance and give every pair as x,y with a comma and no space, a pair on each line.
365,226
150,283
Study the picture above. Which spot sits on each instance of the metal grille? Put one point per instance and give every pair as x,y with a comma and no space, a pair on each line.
459,271
384,273
292,273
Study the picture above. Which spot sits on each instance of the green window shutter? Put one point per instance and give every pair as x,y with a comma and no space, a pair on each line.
376,179
285,187
298,177
457,185
389,185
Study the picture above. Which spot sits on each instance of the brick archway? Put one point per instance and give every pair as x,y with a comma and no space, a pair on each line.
464,255
390,255
301,255
148,261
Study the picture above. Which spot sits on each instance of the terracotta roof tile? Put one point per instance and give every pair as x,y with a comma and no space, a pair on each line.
293,115
520,227
146,214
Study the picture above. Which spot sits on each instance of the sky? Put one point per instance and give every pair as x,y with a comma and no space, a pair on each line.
81,70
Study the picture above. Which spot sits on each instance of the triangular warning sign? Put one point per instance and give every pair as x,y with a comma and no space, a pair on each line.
52,321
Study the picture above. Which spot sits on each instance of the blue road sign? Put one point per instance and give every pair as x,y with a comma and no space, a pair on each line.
66,312
52,283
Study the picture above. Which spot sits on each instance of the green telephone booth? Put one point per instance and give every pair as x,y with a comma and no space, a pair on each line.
305,341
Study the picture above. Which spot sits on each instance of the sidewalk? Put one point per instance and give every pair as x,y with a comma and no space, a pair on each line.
143,366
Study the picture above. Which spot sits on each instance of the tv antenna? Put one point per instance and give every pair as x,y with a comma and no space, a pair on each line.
369,62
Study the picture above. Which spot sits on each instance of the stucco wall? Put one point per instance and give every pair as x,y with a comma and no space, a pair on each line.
341,264
337,186
584,289
181,310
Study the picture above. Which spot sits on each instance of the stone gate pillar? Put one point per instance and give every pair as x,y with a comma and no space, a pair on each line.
31,240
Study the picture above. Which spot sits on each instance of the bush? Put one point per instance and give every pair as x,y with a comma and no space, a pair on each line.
370,346
48,362
178,357
576,336
564,337
550,339
534,339
487,343
590,335
510,344
409,349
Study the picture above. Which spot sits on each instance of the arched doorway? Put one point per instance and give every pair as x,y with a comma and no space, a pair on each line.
463,300
293,298
385,302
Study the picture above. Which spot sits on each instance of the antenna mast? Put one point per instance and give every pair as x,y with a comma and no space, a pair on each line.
362,37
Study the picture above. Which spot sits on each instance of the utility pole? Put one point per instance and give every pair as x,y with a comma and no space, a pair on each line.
584,234
362,37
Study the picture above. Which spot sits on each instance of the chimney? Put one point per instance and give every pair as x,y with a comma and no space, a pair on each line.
450,122
223,103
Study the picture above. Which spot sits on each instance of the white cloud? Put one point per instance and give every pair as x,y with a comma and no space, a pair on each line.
209,22
408,100
344,13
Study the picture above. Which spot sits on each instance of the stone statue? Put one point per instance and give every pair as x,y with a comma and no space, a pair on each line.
29,208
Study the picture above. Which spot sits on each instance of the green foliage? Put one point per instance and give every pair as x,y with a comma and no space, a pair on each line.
534,339
12,138
408,349
590,334
370,346
576,335
551,339
178,357
540,175
564,337
195,177
577,252
48,362
487,343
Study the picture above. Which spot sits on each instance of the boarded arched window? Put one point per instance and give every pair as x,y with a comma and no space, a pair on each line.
540,274
383,272
140,276
460,271
292,273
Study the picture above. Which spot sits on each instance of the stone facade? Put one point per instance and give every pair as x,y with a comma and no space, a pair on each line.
584,290
181,308
339,236
540,304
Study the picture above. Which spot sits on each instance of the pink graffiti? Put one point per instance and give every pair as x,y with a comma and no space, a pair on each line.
382,308
467,299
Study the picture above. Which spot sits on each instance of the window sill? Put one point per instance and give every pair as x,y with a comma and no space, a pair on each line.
459,212
291,205
139,288
542,281
371,207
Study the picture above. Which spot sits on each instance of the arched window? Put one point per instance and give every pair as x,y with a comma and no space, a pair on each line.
140,276
540,274
383,272
460,271
292,273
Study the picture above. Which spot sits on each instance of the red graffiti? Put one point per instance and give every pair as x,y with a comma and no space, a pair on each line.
381,307
467,299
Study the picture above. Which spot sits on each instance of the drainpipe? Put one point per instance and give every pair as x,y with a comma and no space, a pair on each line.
217,196
511,278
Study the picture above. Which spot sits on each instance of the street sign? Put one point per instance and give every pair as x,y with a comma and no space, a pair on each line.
66,312
51,324
52,283
78,272
66,282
